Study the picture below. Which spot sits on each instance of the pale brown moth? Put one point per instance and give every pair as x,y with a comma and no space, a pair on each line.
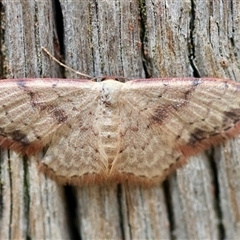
138,131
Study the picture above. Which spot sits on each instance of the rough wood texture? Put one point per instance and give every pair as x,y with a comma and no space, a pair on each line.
134,39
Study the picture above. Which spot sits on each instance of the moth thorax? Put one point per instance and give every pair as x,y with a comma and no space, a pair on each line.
110,92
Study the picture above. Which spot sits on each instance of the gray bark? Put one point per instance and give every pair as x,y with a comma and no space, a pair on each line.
134,39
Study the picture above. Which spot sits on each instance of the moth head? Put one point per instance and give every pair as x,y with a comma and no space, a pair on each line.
110,92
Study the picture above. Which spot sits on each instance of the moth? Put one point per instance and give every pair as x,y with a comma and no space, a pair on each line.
138,131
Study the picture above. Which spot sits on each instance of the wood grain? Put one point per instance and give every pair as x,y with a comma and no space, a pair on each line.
157,39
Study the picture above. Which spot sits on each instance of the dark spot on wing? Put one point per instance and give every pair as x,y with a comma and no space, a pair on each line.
18,136
60,115
31,94
178,158
232,116
196,82
226,85
2,132
38,137
198,135
53,110
161,113
177,137
227,128
21,83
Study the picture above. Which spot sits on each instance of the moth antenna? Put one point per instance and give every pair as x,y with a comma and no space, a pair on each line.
65,66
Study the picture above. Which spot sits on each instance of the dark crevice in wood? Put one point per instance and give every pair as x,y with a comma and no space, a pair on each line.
26,195
1,185
120,210
217,195
11,196
126,201
232,36
147,63
233,27
59,25
168,201
37,41
98,35
71,212
191,40
58,35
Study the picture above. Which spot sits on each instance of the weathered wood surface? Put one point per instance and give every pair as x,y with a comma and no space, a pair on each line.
133,39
